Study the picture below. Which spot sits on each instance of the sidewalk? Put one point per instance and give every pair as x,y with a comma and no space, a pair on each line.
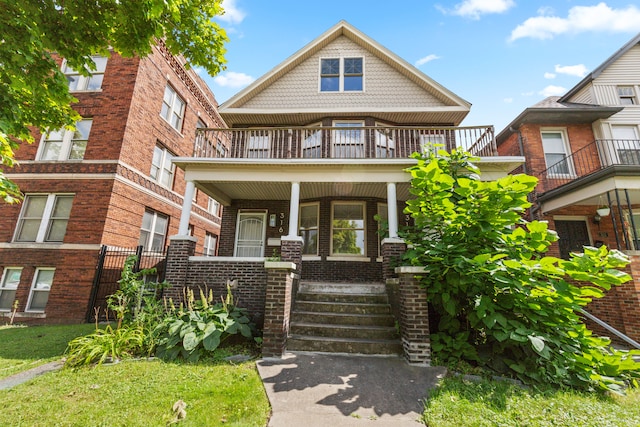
318,390
25,376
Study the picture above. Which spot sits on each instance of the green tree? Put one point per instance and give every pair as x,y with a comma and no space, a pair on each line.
499,302
33,90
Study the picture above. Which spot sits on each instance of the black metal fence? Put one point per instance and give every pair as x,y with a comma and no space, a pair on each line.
109,267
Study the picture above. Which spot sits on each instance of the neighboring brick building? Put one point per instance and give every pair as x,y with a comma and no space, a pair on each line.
585,149
109,183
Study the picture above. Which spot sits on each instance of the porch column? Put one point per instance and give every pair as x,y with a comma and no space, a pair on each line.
183,228
392,210
294,207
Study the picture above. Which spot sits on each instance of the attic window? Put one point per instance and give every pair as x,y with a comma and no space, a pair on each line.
626,95
341,74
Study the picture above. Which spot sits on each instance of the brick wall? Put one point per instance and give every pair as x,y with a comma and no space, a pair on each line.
414,317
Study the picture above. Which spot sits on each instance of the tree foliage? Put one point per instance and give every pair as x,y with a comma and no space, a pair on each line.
34,91
499,301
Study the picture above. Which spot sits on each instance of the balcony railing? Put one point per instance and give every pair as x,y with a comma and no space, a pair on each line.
341,142
598,155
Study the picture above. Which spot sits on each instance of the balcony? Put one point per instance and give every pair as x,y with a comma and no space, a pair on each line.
600,155
340,142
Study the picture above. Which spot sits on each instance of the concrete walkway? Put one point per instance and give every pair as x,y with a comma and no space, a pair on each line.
27,375
319,390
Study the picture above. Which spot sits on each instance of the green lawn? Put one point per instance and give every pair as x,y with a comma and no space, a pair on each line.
459,402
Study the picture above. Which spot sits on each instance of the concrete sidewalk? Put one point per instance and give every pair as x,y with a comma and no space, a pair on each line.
318,390
24,376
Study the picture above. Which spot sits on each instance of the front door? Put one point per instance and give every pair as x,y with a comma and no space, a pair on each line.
250,234
573,236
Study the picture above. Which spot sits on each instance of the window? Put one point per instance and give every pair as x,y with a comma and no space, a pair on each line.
385,145
626,143
162,169
309,228
210,244
153,231
348,143
44,218
347,229
66,144
213,207
430,143
627,95
258,145
555,153
172,108
341,74
39,295
8,287
78,82
383,225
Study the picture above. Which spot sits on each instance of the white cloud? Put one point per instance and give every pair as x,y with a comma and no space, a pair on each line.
474,8
508,100
572,70
231,14
580,19
426,59
549,76
233,79
552,90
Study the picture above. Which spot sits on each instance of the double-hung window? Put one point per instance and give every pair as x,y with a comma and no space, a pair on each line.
64,144
213,207
348,228
44,218
258,144
39,295
627,95
172,108
342,74
78,82
555,152
162,170
210,244
8,286
348,142
153,232
309,228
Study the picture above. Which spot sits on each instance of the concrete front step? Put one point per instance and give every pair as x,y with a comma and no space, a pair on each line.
342,288
342,318
342,307
342,297
344,331
343,345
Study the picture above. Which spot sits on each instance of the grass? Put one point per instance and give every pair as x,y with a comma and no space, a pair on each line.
459,402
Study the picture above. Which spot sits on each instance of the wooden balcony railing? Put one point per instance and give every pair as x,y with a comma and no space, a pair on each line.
598,155
340,142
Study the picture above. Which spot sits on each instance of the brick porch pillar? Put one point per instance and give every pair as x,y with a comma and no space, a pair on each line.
180,249
277,307
414,317
392,250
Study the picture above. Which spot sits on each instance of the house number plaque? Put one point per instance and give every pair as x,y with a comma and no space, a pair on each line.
281,229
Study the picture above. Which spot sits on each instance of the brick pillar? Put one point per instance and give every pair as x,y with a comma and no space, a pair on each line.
291,250
392,250
629,294
414,317
180,249
277,307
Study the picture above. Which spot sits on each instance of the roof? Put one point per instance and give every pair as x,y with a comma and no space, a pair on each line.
454,109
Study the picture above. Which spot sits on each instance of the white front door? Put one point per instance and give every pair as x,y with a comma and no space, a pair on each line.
250,234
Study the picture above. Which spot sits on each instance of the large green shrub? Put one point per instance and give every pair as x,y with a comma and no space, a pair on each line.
500,302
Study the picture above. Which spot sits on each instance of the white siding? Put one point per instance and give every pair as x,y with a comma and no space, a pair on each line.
584,96
383,85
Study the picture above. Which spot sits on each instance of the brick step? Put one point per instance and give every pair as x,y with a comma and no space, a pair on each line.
343,345
342,288
342,307
343,331
342,318
342,297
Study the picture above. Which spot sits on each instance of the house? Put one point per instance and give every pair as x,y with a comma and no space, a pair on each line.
317,152
585,149
107,186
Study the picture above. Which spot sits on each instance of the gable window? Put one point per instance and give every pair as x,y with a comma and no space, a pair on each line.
309,228
213,207
64,144
555,152
162,169
78,82
627,95
210,244
39,295
348,143
341,74
172,108
347,229
8,286
153,231
44,218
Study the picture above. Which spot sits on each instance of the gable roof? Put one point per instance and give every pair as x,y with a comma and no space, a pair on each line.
454,109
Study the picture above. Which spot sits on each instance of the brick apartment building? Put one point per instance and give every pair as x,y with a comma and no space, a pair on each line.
110,183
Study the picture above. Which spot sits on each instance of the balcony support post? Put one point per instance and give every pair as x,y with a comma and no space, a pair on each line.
294,207
190,190
392,210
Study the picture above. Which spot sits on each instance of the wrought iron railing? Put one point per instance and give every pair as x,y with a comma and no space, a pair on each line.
598,155
340,142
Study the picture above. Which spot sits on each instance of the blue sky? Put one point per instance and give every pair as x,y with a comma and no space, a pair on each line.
500,55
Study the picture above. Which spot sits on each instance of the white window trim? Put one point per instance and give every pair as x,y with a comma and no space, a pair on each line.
162,170
568,153
67,144
340,257
334,132
84,80
215,212
32,290
44,221
171,108
208,239
148,247
3,284
341,57
633,97
317,228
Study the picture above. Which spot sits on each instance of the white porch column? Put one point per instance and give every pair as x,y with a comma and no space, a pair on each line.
294,207
392,210
183,228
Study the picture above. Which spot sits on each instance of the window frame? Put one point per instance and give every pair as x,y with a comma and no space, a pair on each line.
567,152
5,288
66,143
216,210
84,81
623,97
316,228
46,220
161,170
363,204
342,74
148,245
339,141
210,244
169,108
33,289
